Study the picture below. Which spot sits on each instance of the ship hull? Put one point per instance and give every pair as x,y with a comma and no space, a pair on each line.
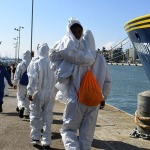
138,31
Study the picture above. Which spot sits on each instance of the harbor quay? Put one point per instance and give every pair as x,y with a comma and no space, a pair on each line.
125,64
112,131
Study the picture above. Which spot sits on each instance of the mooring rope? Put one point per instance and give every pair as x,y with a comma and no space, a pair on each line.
142,119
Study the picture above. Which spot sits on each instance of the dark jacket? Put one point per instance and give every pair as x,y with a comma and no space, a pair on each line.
4,73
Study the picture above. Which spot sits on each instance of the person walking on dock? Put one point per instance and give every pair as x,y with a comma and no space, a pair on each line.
77,115
3,74
40,93
21,80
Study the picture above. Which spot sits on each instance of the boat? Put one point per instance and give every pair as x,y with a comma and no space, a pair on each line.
138,30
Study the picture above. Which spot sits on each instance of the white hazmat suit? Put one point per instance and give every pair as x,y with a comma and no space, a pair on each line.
41,83
64,54
78,116
23,101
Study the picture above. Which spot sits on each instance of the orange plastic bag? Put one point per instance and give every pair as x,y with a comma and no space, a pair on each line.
90,92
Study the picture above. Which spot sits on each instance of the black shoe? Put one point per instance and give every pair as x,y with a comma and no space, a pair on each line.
6,95
21,112
26,117
46,147
17,109
1,109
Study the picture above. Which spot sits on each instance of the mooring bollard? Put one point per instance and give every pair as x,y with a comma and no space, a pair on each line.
142,115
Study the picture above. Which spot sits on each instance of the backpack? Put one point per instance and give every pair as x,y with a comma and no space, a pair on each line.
24,79
90,92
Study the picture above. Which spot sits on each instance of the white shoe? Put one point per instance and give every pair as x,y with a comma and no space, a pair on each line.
35,142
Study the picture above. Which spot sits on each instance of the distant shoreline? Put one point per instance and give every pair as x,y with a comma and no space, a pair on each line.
124,64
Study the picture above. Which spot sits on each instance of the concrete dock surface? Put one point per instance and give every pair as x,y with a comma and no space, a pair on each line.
112,132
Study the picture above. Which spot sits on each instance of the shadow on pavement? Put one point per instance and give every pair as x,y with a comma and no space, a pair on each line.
57,113
10,113
56,135
117,145
26,120
57,121
57,149
98,126
39,147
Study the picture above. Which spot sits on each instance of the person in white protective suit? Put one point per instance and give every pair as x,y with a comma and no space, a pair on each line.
64,54
30,71
63,85
40,93
78,116
23,102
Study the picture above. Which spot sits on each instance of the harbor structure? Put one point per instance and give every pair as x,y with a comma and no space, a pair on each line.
119,55
138,30
112,132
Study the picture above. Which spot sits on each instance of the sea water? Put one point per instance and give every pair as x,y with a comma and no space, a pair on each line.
127,82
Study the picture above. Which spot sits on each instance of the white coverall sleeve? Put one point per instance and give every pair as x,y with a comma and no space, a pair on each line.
31,86
30,67
74,56
33,79
17,74
107,85
63,71
78,57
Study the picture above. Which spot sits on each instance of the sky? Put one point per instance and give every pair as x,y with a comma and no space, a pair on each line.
105,18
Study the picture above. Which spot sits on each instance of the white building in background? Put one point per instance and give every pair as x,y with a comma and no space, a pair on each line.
131,55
